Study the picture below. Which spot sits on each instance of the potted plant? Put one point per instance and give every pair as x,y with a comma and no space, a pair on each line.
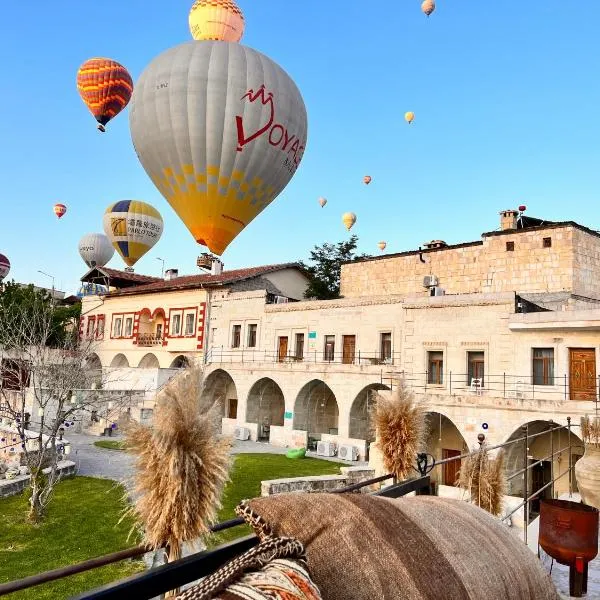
587,468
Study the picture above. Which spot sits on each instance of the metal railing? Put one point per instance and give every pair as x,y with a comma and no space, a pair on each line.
223,355
149,339
161,579
503,385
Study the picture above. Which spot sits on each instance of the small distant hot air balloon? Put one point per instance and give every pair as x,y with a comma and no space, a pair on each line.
59,210
4,266
106,87
409,117
216,20
522,208
348,219
428,6
95,249
133,227
367,179
322,202
382,246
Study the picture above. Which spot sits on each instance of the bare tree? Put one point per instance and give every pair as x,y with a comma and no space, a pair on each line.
47,379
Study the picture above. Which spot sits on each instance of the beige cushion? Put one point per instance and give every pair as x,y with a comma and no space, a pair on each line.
362,547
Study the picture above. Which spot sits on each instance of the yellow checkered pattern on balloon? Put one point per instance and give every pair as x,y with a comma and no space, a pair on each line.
214,207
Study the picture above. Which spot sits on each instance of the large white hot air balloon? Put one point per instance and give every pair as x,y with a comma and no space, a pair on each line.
220,129
95,249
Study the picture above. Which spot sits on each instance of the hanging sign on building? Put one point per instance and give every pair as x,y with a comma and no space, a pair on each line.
312,340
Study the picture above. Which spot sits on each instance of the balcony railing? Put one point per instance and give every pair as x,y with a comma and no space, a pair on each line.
503,385
161,579
218,355
149,339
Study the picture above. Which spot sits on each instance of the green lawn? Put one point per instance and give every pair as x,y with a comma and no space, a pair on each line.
110,444
82,524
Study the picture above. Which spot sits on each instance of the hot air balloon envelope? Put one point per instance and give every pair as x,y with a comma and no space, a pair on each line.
522,208
4,266
220,129
216,20
382,246
348,219
367,179
133,227
322,202
95,249
59,210
105,86
409,117
428,6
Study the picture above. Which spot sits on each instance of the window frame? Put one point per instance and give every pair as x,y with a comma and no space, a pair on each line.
547,242
440,367
510,246
251,329
326,354
233,335
190,333
382,356
117,319
100,327
297,336
548,364
90,330
126,321
182,313
471,375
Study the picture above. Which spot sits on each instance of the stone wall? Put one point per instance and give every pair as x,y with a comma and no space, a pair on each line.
11,487
486,266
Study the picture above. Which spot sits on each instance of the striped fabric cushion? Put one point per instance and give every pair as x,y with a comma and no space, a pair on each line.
362,547
274,570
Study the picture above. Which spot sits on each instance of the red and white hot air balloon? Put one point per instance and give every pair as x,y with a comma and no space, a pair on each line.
367,179
59,210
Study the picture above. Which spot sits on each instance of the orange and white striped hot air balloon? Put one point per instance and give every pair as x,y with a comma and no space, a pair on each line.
322,202
367,179
428,6
106,87
217,20
348,219
382,245
59,210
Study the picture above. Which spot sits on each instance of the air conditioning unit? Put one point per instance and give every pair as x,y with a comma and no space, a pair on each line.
347,452
430,281
437,291
242,433
326,449
281,300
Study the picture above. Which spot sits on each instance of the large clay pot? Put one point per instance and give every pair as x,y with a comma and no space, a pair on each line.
587,474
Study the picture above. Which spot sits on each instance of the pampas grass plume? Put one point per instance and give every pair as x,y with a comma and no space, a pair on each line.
181,465
483,479
400,426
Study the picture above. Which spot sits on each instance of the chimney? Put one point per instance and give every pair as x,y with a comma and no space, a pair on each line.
217,267
171,274
435,244
508,219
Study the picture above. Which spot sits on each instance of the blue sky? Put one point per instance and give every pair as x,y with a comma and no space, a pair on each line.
506,96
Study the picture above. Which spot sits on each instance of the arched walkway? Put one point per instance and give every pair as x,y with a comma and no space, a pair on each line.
94,370
219,386
360,413
93,363
316,410
149,361
541,447
119,361
265,406
181,362
444,440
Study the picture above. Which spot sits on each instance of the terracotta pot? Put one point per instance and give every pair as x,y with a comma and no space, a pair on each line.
587,474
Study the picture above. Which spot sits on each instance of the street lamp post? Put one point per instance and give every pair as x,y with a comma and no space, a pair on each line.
51,277
162,274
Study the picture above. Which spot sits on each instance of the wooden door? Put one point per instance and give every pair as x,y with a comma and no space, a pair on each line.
582,373
283,348
450,469
232,408
349,347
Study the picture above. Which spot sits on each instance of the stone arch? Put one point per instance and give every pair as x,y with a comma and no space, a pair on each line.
149,361
93,362
219,385
541,447
360,412
316,410
119,361
265,406
180,362
444,440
